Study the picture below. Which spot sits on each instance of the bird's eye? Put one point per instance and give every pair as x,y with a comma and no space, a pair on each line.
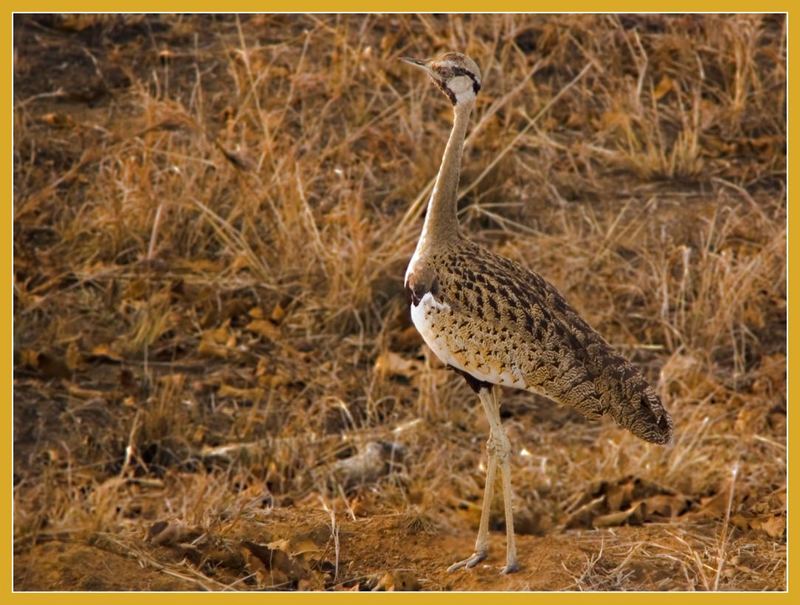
442,72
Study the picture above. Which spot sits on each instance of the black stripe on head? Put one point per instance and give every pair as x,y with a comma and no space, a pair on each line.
460,71
446,90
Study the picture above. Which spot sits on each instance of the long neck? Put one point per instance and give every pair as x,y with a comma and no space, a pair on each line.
441,220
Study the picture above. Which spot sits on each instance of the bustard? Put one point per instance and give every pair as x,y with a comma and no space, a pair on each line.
499,324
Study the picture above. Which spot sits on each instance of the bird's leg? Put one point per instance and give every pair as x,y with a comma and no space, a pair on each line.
503,455
482,543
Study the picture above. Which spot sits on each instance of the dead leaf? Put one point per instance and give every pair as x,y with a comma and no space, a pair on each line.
315,581
618,517
29,358
77,22
265,576
397,580
281,544
619,495
615,119
712,507
104,353
575,119
664,86
254,395
83,393
667,506
772,525
276,380
57,120
749,419
274,566
582,516
217,342
310,544
628,500
264,328
261,367
199,435
392,364
167,533
278,313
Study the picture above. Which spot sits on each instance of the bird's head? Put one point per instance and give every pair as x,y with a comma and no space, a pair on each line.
456,75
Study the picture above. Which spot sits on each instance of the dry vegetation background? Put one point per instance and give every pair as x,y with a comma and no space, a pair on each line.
217,385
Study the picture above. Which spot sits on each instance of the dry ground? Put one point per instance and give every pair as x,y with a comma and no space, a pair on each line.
217,385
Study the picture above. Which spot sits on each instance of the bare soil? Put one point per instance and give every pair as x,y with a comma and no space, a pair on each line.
389,551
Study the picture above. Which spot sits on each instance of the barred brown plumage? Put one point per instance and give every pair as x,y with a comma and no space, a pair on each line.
543,339
498,323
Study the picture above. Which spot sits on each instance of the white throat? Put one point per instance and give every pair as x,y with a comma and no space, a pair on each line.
462,88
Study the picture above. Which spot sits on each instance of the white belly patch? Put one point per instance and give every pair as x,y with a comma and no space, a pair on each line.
475,358
424,315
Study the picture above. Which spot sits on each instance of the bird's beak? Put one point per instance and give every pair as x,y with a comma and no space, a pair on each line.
423,65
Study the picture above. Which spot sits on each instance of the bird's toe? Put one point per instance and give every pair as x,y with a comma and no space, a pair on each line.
469,562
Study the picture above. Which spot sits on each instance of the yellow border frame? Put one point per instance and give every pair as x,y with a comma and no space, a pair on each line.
6,300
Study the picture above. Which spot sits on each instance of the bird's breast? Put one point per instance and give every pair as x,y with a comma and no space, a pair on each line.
463,343
431,318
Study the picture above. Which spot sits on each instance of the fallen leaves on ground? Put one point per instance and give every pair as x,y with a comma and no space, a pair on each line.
629,500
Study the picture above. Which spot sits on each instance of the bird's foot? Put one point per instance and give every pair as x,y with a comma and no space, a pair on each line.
510,567
469,562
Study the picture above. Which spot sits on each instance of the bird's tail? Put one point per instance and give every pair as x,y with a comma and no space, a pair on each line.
619,389
645,416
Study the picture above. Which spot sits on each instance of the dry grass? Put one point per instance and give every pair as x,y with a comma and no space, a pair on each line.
212,220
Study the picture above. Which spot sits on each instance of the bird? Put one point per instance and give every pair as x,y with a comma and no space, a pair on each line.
499,324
